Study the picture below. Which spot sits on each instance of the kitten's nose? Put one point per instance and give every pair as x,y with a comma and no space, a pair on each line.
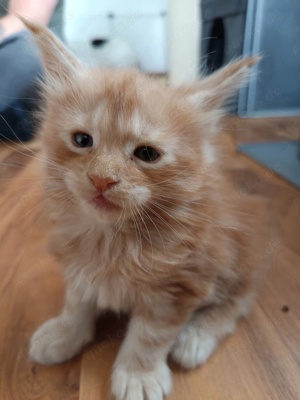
102,184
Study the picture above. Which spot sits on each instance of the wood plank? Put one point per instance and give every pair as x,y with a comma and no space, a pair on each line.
31,291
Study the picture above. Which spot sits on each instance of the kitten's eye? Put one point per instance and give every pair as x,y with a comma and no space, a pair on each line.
146,153
81,139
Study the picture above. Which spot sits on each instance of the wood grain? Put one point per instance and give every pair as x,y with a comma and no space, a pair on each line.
260,361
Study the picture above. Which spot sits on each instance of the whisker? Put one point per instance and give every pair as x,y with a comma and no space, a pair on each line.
35,157
159,206
153,223
145,225
136,226
122,215
168,180
22,145
167,224
191,217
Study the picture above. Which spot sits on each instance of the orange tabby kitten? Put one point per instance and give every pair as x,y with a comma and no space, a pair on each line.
139,219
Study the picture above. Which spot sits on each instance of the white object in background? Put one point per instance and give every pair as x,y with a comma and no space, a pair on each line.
115,53
184,41
136,31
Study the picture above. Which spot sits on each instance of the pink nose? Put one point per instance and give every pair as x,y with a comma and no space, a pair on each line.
102,184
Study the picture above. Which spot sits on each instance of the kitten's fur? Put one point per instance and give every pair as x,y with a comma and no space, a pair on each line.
177,256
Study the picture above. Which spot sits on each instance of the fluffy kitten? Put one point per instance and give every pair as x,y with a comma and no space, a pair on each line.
140,221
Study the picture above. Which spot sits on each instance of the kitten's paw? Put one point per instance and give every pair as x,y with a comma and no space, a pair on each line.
58,340
152,385
193,348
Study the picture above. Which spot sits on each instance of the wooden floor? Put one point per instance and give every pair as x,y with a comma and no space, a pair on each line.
261,361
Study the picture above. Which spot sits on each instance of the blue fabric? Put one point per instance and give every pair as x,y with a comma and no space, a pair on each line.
20,68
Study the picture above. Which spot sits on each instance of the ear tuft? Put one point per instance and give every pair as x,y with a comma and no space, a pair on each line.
247,62
31,26
59,64
213,91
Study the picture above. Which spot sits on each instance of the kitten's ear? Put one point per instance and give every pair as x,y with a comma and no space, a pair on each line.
213,92
59,64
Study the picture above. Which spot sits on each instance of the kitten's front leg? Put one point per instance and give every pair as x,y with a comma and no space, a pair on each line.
141,371
61,338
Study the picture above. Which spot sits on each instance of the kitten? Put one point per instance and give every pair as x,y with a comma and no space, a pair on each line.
140,221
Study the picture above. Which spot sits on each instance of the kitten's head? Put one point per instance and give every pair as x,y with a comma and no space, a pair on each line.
125,142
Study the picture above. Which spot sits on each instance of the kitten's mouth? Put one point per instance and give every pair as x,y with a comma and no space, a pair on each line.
100,201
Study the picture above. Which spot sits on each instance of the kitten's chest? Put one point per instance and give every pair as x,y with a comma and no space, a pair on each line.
115,271
115,293
98,267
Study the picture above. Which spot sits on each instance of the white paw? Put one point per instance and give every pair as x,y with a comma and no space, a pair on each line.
151,385
58,340
193,348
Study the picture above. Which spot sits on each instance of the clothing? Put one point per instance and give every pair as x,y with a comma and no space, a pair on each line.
20,70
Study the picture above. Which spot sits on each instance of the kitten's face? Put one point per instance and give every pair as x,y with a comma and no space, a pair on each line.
125,143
